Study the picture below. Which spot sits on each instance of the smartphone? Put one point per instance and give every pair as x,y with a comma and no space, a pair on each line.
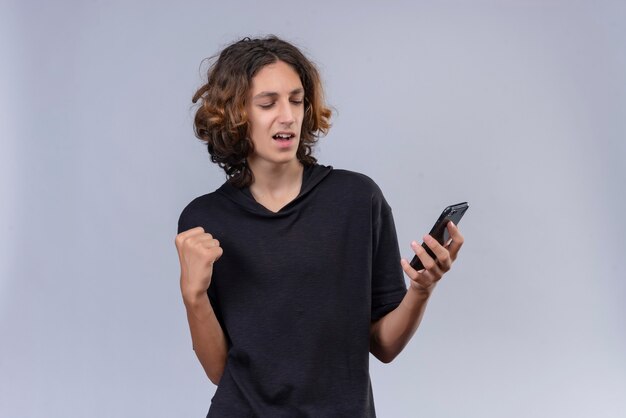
440,232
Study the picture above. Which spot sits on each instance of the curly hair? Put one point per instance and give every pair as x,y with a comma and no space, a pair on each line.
221,119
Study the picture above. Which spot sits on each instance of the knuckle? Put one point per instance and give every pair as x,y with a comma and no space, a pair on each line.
193,245
216,252
185,243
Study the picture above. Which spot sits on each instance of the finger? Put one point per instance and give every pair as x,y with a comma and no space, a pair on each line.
192,231
206,253
200,247
197,239
205,240
457,240
427,261
215,253
410,271
210,243
421,279
442,254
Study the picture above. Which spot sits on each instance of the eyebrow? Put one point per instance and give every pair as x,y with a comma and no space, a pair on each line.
274,94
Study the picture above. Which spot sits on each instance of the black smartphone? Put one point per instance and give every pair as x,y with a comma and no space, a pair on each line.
440,232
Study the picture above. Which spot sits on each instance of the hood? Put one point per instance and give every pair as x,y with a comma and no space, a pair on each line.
311,177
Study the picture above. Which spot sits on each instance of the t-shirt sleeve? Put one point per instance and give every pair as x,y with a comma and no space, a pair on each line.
388,286
187,218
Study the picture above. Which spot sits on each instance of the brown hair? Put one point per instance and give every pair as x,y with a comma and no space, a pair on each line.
221,118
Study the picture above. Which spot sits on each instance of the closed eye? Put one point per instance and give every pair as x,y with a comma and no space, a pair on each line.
269,105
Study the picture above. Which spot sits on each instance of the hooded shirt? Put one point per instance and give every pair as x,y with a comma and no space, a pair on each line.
295,292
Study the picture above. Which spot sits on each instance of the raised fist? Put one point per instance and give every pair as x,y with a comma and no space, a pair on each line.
197,251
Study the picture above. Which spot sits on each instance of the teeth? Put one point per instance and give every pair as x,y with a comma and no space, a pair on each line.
282,136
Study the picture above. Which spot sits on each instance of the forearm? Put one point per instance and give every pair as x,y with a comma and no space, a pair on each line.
390,334
207,336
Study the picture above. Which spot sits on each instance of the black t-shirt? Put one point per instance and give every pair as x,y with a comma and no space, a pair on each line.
295,292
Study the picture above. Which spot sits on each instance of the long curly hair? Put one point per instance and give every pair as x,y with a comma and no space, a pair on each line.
221,119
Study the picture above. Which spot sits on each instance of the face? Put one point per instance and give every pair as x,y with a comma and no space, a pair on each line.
275,107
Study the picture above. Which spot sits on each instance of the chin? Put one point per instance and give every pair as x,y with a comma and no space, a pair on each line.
287,160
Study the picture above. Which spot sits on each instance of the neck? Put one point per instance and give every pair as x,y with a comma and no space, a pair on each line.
276,179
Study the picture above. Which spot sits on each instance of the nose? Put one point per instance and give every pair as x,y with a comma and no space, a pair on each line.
285,115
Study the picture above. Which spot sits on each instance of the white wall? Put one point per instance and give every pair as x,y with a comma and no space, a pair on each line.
516,106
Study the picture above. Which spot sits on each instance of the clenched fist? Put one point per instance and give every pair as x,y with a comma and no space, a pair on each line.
197,251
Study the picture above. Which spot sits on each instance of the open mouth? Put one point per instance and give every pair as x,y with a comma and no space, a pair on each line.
283,137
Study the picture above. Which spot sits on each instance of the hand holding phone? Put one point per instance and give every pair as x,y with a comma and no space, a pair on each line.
440,232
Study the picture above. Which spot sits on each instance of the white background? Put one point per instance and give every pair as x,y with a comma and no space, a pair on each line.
518,107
